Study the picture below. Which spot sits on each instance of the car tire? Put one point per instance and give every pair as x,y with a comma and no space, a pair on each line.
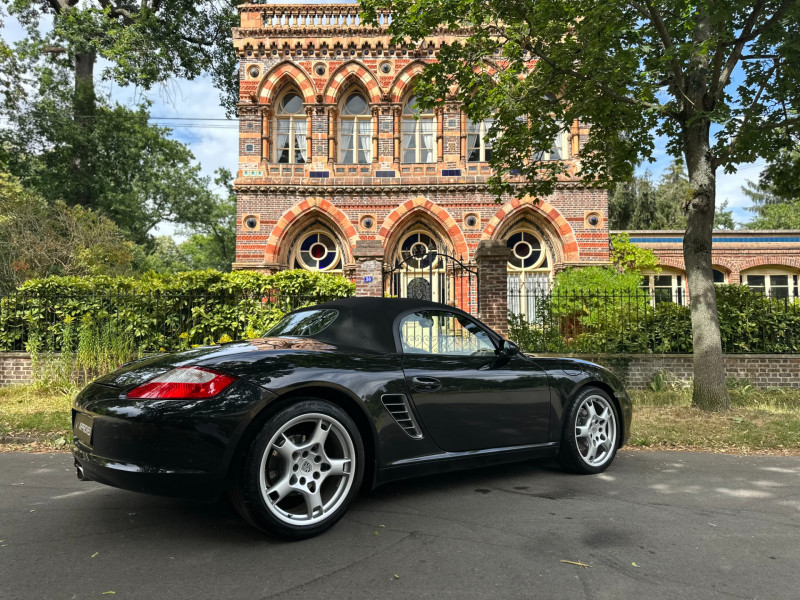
302,471
591,433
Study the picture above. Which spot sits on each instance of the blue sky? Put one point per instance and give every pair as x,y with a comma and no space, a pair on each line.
214,142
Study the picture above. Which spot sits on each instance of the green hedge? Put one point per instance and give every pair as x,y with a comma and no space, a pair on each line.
628,324
156,312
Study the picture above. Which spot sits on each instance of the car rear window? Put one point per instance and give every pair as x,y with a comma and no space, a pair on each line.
306,323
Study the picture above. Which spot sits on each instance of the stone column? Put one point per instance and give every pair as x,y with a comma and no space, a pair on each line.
491,258
368,255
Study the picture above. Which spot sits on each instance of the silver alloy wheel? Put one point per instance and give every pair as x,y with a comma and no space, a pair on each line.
307,469
596,430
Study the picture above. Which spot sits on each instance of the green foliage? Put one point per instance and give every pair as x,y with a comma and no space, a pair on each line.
772,209
641,204
624,323
123,316
630,258
131,171
38,239
212,225
630,70
781,172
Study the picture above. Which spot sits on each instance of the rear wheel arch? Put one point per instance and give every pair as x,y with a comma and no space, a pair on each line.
353,407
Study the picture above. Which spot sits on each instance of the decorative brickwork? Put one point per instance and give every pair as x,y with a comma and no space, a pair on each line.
491,258
324,53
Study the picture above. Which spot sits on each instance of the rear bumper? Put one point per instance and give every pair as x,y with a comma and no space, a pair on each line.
165,447
148,478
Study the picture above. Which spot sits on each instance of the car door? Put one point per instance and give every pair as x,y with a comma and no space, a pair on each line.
466,395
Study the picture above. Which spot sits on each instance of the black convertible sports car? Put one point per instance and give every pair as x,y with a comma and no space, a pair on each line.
337,396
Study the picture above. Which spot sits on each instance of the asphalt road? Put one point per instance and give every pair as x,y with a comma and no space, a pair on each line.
695,525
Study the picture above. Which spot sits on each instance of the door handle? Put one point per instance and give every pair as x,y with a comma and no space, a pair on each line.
426,384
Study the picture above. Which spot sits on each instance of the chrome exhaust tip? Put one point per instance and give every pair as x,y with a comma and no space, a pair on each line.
79,472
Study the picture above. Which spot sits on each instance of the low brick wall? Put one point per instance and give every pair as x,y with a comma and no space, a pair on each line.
761,370
15,367
636,370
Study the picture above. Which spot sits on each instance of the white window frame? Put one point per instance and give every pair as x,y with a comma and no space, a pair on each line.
418,119
481,129
768,274
524,285
334,267
677,286
357,121
293,119
561,143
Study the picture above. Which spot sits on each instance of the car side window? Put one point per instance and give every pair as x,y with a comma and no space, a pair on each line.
442,332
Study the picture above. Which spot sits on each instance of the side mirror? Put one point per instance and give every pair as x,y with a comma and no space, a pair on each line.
507,349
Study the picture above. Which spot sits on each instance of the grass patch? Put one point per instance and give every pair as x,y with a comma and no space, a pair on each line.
36,412
760,421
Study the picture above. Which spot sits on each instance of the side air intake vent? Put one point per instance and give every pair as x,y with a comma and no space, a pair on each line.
397,405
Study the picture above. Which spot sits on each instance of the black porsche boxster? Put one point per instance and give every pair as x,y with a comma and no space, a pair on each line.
350,393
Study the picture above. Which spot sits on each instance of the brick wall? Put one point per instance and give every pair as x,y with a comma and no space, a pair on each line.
637,371
762,370
15,367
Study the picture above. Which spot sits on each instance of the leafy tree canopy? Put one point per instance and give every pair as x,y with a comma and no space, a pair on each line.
772,210
131,170
144,42
38,239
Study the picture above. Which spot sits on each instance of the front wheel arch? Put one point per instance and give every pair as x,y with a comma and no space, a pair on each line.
608,390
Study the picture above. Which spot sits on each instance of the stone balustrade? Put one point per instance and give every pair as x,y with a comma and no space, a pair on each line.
310,16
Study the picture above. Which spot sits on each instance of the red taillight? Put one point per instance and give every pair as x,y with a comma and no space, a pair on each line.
184,383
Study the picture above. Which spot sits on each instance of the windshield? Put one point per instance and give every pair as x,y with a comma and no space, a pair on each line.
306,323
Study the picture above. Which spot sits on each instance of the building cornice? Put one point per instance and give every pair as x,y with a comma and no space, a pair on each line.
316,190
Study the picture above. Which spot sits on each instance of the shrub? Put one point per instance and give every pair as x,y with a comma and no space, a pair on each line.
122,316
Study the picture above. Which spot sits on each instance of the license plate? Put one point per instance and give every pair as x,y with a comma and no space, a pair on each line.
83,428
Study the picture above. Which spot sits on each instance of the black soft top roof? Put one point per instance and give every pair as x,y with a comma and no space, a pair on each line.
367,322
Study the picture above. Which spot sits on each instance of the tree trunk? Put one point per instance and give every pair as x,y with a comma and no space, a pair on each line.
710,391
84,105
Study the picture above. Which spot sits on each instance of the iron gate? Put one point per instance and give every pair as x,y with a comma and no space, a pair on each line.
433,276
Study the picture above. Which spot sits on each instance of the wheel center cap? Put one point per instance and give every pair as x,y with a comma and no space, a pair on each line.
306,467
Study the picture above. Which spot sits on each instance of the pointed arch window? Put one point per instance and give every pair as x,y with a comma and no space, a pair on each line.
418,133
529,271
355,135
291,127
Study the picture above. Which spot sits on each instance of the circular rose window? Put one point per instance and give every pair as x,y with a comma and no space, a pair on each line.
318,252
526,250
416,251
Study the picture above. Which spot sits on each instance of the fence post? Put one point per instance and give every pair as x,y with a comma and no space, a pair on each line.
368,256
492,258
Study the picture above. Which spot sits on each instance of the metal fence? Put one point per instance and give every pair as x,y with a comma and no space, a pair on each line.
641,322
139,322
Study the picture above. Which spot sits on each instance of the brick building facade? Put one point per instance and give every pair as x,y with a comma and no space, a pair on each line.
339,171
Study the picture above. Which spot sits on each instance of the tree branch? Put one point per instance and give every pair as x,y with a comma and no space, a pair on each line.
749,36
749,33
651,12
